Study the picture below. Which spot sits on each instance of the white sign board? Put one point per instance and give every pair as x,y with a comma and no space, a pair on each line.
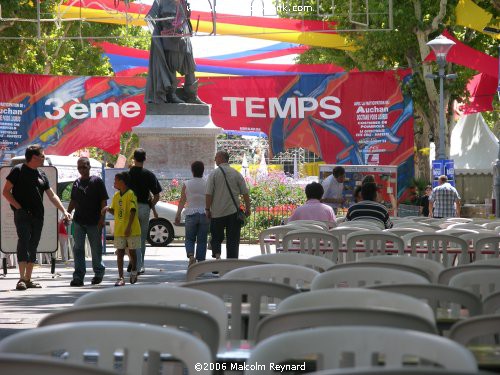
8,234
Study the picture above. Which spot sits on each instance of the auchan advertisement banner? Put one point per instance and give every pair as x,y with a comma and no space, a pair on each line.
345,118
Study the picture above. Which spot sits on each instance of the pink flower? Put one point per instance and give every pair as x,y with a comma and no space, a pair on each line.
175,183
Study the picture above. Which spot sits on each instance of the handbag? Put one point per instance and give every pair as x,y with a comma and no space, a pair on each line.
241,217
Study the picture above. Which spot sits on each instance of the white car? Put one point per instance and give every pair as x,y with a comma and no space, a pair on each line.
162,230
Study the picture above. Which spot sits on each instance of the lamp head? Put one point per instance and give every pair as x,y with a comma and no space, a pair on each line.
441,46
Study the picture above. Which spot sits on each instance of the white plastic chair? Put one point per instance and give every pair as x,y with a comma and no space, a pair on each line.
383,265
365,345
255,295
367,224
439,297
373,243
317,263
479,330
491,224
424,226
197,322
401,231
105,338
446,274
221,266
491,304
430,267
342,231
165,295
436,247
272,237
29,364
299,277
357,298
480,282
323,224
363,277
313,242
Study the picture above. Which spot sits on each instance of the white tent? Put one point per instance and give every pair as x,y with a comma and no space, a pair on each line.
473,146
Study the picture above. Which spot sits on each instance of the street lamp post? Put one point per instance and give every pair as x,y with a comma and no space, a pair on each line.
441,46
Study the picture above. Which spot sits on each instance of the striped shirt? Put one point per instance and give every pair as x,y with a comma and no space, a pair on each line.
369,210
443,198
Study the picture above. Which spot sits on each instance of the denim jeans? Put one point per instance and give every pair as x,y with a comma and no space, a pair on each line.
29,230
95,241
196,232
233,232
144,211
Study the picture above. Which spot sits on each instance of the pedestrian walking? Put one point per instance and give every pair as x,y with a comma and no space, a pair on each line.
24,190
444,200
144,184
224,187
196,221
88,198
127,227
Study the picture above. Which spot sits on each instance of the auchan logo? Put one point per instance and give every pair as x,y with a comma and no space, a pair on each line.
294,107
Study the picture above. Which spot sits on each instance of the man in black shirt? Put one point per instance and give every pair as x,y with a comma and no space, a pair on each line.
24,190
144,183
88,197
369,208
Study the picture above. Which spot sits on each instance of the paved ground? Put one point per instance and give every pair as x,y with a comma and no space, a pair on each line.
23,309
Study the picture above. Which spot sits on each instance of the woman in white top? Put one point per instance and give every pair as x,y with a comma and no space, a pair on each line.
197,223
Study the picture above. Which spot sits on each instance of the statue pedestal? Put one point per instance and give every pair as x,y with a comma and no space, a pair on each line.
175,135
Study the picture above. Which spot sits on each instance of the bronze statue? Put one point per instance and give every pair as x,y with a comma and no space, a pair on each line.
171,52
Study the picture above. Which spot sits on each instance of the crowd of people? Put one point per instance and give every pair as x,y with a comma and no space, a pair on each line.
210,205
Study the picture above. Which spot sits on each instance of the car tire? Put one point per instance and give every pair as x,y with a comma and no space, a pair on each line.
160,232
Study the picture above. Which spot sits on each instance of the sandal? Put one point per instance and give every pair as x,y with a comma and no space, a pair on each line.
30,285
120,282
21,285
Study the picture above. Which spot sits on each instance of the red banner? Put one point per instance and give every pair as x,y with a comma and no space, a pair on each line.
345,118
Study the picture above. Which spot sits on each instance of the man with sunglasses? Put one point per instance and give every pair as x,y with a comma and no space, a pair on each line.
88,197
24,190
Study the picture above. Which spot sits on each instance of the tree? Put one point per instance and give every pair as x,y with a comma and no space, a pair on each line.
415,23
62,48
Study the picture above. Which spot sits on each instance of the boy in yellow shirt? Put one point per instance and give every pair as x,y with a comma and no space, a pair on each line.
127,227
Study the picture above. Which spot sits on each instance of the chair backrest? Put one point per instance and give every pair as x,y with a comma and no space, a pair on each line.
299,277
491,224
363,277
430,267
368,224
491,304
389,265
324,225
438,246
440,298
313,242
365,345
448,273
469,225
165,295
479,330
197,322
401,231
488,261
373,243
315,262
272,237
28,364
480,282
487,244
105,338
341,232
248,301
423,226
221,266
358,298
340,316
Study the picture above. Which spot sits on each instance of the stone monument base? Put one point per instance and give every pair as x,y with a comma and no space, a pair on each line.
175,135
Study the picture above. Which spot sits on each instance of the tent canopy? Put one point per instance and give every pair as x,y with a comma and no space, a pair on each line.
473,146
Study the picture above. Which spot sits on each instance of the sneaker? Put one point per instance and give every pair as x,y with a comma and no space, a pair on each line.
133,277
142,271
129,268
21,285
76,282
120,282
31,285
96,280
